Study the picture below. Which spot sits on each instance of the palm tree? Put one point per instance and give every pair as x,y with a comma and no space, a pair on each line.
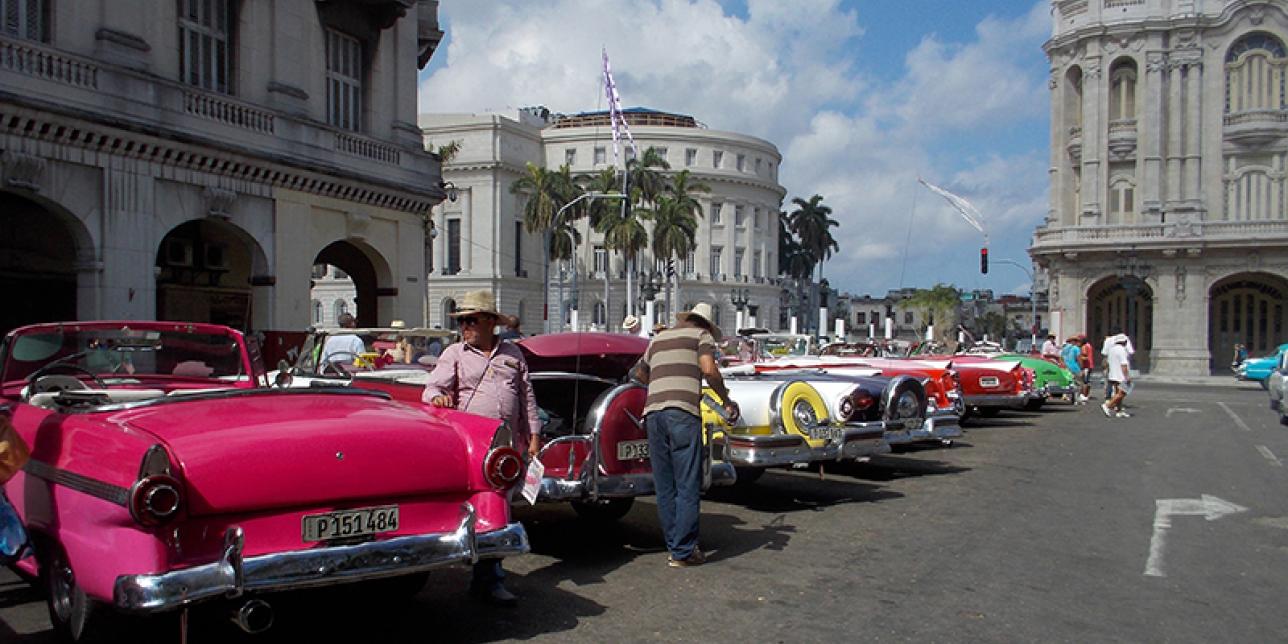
675,226
546,193
645,181
812,223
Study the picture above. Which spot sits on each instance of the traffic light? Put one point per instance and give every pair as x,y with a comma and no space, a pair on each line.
983,260
670,268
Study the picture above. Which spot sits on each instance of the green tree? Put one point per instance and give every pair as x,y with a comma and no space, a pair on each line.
993,324
675,224
646,182
940,304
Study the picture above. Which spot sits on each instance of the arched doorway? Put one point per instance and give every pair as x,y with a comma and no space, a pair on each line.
365,268
1122,305
204,269
38,250
1248,309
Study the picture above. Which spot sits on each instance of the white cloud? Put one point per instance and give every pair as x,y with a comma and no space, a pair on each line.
786,73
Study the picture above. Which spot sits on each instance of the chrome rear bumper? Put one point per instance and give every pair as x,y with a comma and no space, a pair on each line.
996,400
858,440
939,427
233,575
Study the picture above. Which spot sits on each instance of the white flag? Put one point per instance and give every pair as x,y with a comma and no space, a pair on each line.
967,210
615,117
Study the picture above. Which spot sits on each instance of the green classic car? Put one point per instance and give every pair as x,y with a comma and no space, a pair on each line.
1049,380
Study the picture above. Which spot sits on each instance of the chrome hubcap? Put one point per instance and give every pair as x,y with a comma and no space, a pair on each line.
804,414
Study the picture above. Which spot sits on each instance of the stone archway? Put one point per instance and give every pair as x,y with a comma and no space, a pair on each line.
39,250
1248,309
204,270
368,270
1122,305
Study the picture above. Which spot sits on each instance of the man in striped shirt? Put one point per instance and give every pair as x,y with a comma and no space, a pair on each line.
673,367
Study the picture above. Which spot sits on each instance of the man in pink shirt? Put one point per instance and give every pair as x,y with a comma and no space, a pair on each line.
485,376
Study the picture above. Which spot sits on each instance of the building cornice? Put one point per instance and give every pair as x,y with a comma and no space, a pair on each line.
30,119
1161,24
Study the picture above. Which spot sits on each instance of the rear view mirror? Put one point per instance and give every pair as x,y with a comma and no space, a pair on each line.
284,376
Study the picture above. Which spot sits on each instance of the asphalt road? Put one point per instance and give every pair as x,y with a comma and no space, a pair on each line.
1033,527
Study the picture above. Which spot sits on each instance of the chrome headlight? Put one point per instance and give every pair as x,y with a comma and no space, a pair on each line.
846,408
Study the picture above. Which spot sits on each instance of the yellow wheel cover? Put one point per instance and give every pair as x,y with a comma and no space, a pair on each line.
795,393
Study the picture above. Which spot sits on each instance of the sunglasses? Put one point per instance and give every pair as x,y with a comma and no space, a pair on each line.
469,320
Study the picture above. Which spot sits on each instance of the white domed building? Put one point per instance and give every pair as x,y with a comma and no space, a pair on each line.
481,243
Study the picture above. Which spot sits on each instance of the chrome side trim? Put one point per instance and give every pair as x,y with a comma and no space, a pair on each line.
568,375
232,575
79,482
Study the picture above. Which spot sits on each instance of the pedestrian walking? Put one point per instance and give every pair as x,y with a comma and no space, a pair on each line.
1086,360
1070,355
485,376
673,367
1119,362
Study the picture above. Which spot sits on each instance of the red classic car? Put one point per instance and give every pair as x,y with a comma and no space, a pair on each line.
166,471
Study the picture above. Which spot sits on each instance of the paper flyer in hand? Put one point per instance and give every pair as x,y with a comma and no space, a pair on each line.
532,480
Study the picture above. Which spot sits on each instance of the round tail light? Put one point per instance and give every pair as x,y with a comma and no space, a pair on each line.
503,467
155,500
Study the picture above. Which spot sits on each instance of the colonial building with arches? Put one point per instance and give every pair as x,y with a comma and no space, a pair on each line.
1169,141
194,159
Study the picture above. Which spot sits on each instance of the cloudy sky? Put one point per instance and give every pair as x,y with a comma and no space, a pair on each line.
860,96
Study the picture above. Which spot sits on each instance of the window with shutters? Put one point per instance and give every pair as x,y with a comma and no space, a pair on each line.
344,72
715,261
205,45
1255,74
27,19
601,259
453,247
738,254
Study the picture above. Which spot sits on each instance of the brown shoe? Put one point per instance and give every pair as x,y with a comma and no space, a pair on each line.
695,559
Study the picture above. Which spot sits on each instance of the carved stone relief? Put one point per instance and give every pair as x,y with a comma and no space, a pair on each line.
23,170
219,202
1180,283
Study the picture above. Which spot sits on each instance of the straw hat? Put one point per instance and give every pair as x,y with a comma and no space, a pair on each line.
630,323
476,302
701,310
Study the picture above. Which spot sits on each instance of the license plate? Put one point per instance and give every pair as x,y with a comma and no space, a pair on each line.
988,381
826,433
350,523
631,450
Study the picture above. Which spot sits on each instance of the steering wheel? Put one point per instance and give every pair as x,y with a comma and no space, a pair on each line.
36,375
333,365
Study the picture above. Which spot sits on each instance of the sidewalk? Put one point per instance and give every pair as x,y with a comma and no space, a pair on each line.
1227,381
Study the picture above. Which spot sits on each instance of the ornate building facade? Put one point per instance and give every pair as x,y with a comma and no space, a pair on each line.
193,159
481,241
1169,141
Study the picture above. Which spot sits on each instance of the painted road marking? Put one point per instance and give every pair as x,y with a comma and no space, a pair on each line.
1164,509
1181,410
1270,456
1237,421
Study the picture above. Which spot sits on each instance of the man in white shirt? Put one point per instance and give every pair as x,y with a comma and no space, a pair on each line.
1049,348
342,347
1119,365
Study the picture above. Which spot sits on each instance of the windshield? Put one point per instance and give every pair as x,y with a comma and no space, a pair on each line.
778,347
125,353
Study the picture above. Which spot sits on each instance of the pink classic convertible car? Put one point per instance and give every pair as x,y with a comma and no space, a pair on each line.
166,472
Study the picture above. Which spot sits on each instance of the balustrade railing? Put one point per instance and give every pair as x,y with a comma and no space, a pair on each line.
224,110
367,148
35,61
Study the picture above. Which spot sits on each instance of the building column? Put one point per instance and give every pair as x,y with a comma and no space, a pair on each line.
1180,321
1192,187
1093,142
1059,131
1174,133
1149,125
130,241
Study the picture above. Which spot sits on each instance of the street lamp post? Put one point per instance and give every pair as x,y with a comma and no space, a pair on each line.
650,284
549,233
739,298
1033,298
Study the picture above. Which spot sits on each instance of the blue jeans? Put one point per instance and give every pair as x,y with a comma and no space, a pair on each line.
675,451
